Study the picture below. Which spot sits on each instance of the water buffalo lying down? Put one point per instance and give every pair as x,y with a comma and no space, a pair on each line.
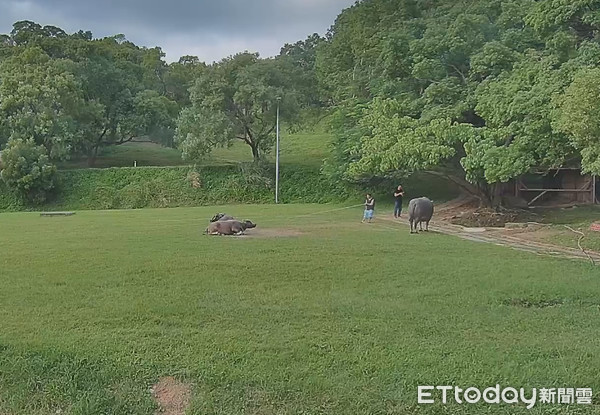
419,210
228,227
221,216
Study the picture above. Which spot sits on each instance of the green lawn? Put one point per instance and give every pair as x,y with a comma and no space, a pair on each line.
344,318
304,149
578,218
124,155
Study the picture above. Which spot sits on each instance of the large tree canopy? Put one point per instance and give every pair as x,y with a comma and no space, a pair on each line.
42,101
236,99
299,61
483,91
578,115
75,95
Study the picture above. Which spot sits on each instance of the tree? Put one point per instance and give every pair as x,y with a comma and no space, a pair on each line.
180,77
117,79
26,31
578,116
236,99
396,144
76,95
299,62
155,69
153,115
518,134
348,134
346,62
27,170
42,101
580,17
472,90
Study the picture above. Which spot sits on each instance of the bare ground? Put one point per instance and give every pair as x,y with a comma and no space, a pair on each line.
527,239
265,233
172,396
273,233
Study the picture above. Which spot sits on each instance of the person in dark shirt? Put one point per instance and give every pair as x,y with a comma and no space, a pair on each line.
398,194
369,208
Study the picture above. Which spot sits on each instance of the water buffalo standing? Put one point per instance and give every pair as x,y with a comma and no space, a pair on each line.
228,227
420,210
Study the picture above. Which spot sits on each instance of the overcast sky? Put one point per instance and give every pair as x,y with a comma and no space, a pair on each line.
210,29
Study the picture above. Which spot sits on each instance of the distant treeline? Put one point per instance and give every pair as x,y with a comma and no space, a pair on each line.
480,91
71,95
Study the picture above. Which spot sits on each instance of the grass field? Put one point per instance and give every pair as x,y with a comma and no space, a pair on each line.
124,155
334,317
578,218
303,149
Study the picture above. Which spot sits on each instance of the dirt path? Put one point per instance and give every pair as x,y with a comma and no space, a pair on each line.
494,237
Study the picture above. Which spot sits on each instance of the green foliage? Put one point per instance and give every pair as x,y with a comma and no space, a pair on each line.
518,135
345,124
27,171
468,88
581,17
394,142
300,67
579,116
493,59
200,130
75,94
142,187
115,77
42,101
236,99
151,113
180,78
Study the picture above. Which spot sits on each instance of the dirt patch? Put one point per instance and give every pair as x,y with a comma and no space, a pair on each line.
466,211
172,396
273,233
489,218
543,234
456,207
535,237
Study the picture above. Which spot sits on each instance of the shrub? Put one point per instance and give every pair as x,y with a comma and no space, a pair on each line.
159,187
27,170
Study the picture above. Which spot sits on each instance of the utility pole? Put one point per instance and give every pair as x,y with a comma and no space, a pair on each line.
277,156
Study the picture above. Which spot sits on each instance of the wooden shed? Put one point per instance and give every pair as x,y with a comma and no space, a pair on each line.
557,187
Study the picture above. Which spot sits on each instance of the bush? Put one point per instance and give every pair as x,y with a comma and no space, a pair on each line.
27,170
157,187
160,187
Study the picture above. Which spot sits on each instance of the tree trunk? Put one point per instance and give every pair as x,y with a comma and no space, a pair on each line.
92,156
255,152
93,153
485,193
495,191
